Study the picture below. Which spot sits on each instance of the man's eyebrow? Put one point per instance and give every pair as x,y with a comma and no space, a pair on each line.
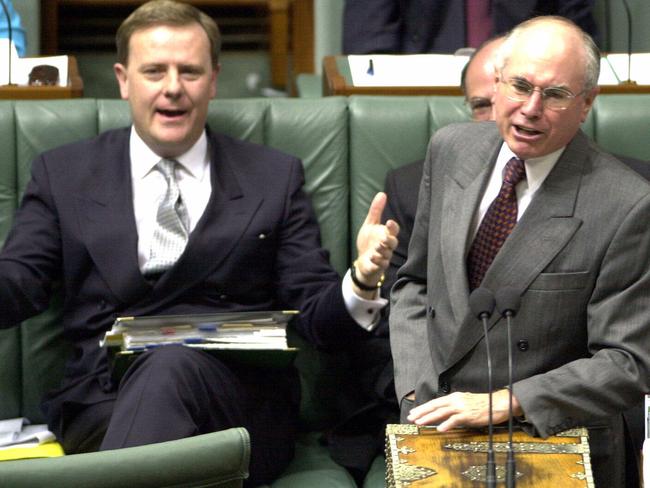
151,65
191,67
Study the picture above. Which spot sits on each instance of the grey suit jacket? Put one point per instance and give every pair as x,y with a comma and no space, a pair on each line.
579,257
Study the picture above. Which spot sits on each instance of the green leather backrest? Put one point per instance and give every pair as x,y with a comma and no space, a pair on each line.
10,379
622,124
387,132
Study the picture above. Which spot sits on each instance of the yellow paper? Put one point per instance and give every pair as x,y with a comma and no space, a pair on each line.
49,449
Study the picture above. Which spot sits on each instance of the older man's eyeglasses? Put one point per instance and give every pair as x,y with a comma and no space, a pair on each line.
553,97
479,106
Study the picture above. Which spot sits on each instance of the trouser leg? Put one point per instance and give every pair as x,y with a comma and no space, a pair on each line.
175,392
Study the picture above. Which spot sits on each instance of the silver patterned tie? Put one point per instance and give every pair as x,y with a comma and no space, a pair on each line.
172,223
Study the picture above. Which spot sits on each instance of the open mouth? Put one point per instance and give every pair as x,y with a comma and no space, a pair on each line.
171,113
525,131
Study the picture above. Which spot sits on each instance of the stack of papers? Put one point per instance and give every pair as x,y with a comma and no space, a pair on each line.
245,330
18,433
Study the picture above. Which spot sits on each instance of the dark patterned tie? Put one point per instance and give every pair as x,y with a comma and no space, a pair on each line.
496,225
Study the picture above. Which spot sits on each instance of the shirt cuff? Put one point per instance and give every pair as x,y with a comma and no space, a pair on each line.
364,312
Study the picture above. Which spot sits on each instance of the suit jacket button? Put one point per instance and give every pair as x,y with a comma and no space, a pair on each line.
523,345
444,388
431,312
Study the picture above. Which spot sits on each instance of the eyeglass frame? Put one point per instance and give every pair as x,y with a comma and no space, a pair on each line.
570,96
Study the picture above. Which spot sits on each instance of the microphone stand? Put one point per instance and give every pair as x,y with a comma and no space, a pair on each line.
481,302
508,302
628,15
511,467
10,38
491,467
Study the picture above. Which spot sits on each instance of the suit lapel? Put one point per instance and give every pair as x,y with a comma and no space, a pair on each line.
539,236
463,187
107,221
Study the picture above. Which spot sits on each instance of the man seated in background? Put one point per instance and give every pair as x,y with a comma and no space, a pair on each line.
168,217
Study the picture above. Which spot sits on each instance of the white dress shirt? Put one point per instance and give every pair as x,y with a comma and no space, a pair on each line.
537,169
193,176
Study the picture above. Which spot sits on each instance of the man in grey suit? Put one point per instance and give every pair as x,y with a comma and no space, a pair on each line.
578,256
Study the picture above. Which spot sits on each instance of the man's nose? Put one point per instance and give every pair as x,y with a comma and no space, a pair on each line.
173,85
534,106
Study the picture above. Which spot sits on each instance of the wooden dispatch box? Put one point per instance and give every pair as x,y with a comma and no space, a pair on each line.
423,457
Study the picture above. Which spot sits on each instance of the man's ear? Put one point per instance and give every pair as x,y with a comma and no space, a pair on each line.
121,75
589,102
213,81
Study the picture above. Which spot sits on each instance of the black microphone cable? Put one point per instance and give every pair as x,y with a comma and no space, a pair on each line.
10,38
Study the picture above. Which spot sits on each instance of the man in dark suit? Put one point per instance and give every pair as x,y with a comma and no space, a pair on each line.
168,217
443,26
578,255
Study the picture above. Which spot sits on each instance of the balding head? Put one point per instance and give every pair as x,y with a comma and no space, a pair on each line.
548,70
553,32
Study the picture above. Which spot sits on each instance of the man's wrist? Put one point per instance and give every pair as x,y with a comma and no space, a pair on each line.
360,284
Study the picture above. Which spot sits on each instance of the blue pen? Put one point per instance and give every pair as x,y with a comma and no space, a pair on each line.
207,327
193,340
371,67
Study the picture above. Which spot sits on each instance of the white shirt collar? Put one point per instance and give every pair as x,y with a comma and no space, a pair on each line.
537,169
143,159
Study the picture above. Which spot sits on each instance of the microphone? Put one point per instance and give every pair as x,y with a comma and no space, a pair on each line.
481,303
628,16
10,38
508,301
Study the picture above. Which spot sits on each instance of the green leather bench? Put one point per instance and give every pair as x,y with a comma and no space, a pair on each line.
347,145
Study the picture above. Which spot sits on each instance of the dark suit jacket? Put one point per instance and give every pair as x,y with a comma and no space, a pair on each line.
438,26
579,258
256,247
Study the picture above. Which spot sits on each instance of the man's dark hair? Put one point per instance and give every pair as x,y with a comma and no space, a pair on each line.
166,12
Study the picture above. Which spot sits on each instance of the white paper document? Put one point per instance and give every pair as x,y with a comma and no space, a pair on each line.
445,69
406,69
18,433
22,67
636,67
